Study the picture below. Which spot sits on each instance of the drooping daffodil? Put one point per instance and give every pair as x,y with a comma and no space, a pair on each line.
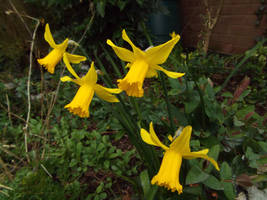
88,86
143,64
53,58
168,175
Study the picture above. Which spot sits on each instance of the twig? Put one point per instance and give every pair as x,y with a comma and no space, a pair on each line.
26,131
8,108
1,105
8,174
19,15
46,171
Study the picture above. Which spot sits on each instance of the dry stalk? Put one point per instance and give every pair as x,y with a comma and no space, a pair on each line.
8,109
13,114
5,169
210,23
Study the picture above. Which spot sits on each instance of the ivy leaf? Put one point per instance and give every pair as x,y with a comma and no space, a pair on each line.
196,175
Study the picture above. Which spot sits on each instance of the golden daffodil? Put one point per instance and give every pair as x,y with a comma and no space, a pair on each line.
143,64
88,86
168,175
53,58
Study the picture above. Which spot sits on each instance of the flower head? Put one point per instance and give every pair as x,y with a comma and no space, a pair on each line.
53,58
143,64
168,175
88,86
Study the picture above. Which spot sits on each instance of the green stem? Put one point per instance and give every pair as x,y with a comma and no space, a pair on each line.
162,80
116,69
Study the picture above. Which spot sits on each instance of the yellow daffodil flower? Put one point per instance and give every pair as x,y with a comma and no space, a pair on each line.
53,58
88,86
142,64
168,175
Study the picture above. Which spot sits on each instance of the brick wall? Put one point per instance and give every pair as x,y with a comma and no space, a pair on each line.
235,31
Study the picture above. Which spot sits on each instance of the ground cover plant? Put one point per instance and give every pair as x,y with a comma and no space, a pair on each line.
131,123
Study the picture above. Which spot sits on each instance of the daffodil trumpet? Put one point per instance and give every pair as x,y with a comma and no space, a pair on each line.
143,64
168,175
88,87
53,58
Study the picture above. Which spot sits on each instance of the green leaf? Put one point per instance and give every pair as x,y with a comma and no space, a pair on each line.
149,190
213,183
145,182
192,102
100,188
195,175
100,7
214,153
228,190
226,171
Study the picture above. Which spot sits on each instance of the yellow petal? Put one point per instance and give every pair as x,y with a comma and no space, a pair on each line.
204,151
122,53
104,93
67,63
191,155
168,73
132,83
91,76
66,78
136,50
75,58
146,137
80,103
155,138
48,37
182,143
168,175
113,90
159,54
170,138
63,46
51,60
151,73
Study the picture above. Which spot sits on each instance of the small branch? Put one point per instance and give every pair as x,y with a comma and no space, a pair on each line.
26,127
13,114
19,15
8,108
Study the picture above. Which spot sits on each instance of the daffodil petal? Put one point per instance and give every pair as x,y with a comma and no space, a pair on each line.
170,138
168,73
151,73
155,138
191,155
66,79
75,58
67,63
204,151
104,93
113,90
160,53
122,53
136,50
91,76
48,37
146,137
182,142
63,46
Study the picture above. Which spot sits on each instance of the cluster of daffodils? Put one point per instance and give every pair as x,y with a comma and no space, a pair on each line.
141,64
